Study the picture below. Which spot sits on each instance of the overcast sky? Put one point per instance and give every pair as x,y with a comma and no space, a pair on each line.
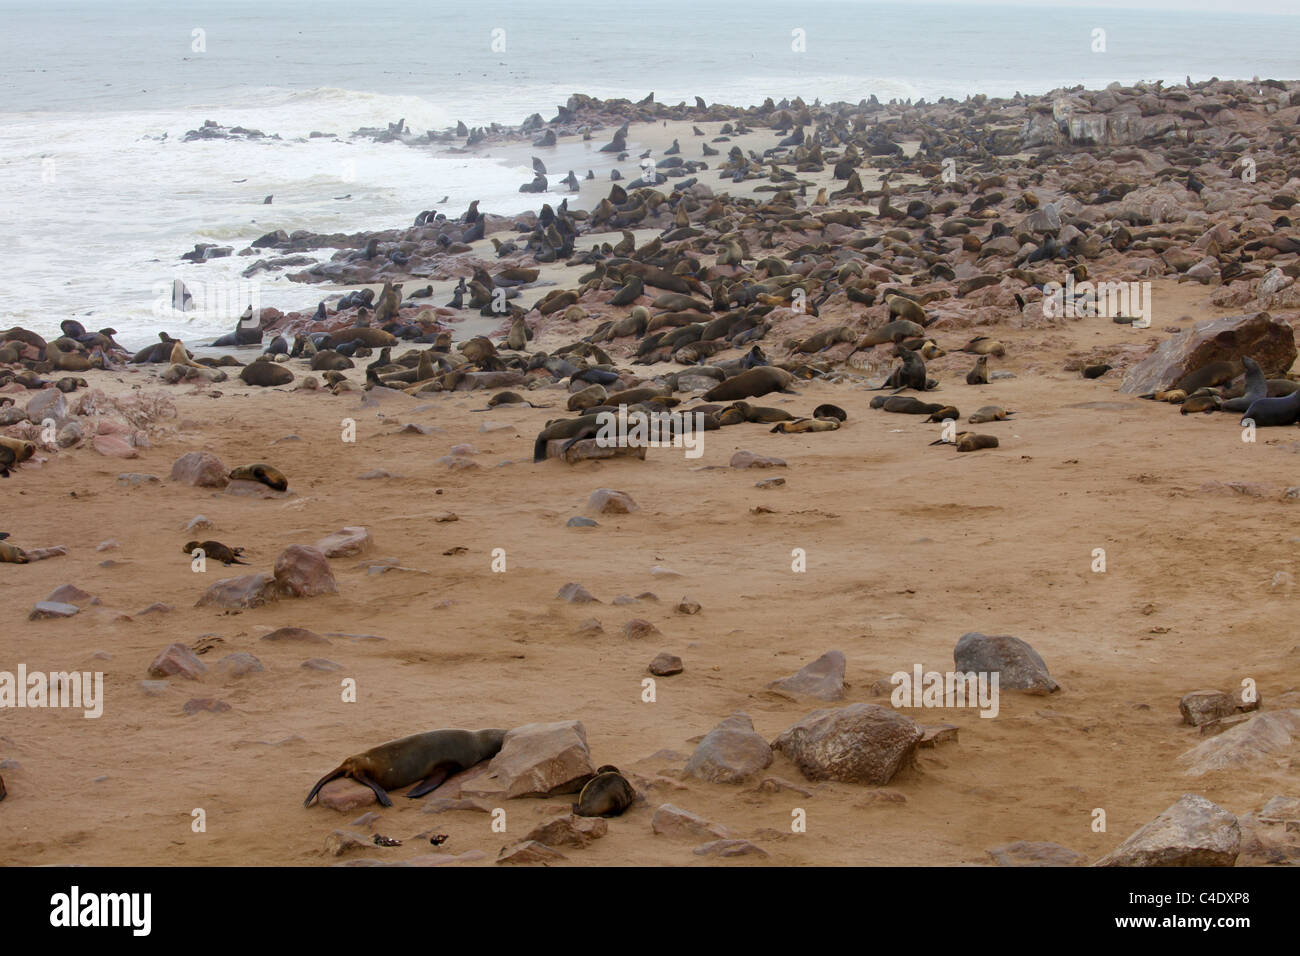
1218,6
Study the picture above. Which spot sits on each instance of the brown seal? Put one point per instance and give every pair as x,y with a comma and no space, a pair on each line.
12,554
800,425
970,441
264,373
267,475
607,794
216,551
752,413
574,429
425,759
983,345
905,405
751,384
990,413
21,448
979,375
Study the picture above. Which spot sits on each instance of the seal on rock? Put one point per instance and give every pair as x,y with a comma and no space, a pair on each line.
425,759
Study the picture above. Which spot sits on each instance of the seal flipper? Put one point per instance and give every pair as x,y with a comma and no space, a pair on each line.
339,771
379,791
436,778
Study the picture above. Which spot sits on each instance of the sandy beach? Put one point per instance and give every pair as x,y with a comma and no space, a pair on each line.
908,547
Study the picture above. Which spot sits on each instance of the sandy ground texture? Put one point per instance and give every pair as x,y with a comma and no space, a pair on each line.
908,547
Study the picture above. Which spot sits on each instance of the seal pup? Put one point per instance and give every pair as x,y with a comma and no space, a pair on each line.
979,375
607,794
267,475
970,441
990,413
216,551
830,411
425,759
799,425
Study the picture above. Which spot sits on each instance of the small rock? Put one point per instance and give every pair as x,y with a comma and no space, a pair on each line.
1023,853
153,688
177,660
822,679
729,848
320,664
770,483
687,606
71,594
198,523
210,704
580,522
860,743
537,760
608,501
1202,706
239,664
568,830
638,629
43,610
304,572
730,753
345,543
676,823
340,842
530,851
249,590
747,459
575,594
345,795
135,479
294,635
666,665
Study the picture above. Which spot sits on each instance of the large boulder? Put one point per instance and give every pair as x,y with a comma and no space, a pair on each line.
1017,665
730,753
1262,742
1269,341
537,760
860,743
1193,832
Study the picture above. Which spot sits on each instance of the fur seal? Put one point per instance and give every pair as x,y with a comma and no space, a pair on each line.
12,554
1274,411
970,441
1256,388
259,472
574,429
216,551
21,448
905,404
983,345
265,373
589,397
979,375
425,759
752,383
894,331
990,413
830,411
7,457
800,425
607,794
738,412
944,413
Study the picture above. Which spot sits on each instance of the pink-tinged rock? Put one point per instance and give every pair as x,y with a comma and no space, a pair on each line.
610,502
112,446
71,594
239,664
530,852
40,554
201,469
197,705
729,848
44,610
679,824
666,665
861,743
304,572
346,795
747,459
345,543
344,841
730,753
299,635
1203,706
590,450
638,629
1269,341
156,608
249,590
1027,853
823,678
177,660
568,830
49,403
537,760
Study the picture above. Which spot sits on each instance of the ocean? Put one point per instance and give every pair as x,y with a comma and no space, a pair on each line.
100,195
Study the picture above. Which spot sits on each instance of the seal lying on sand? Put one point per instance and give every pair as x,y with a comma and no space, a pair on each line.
425,759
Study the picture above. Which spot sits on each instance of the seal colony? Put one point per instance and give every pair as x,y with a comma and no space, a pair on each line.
824,293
